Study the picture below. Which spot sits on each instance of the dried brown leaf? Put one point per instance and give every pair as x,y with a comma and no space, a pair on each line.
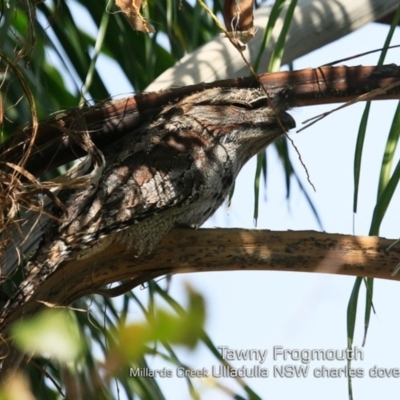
131,9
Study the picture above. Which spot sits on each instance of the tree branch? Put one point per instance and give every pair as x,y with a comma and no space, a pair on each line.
109,121
208,250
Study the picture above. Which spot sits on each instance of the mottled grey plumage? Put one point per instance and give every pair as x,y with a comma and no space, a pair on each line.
174,170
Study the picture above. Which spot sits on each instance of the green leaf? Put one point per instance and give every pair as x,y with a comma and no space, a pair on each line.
273,17
130,341
50,334
276,57
351,323
358,153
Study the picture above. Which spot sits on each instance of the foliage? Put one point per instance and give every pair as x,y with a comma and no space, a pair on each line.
48,62
59,335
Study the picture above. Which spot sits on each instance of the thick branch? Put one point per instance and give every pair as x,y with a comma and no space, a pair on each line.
208,250
107,122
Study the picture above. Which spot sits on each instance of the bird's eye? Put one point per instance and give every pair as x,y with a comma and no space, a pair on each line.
243,104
